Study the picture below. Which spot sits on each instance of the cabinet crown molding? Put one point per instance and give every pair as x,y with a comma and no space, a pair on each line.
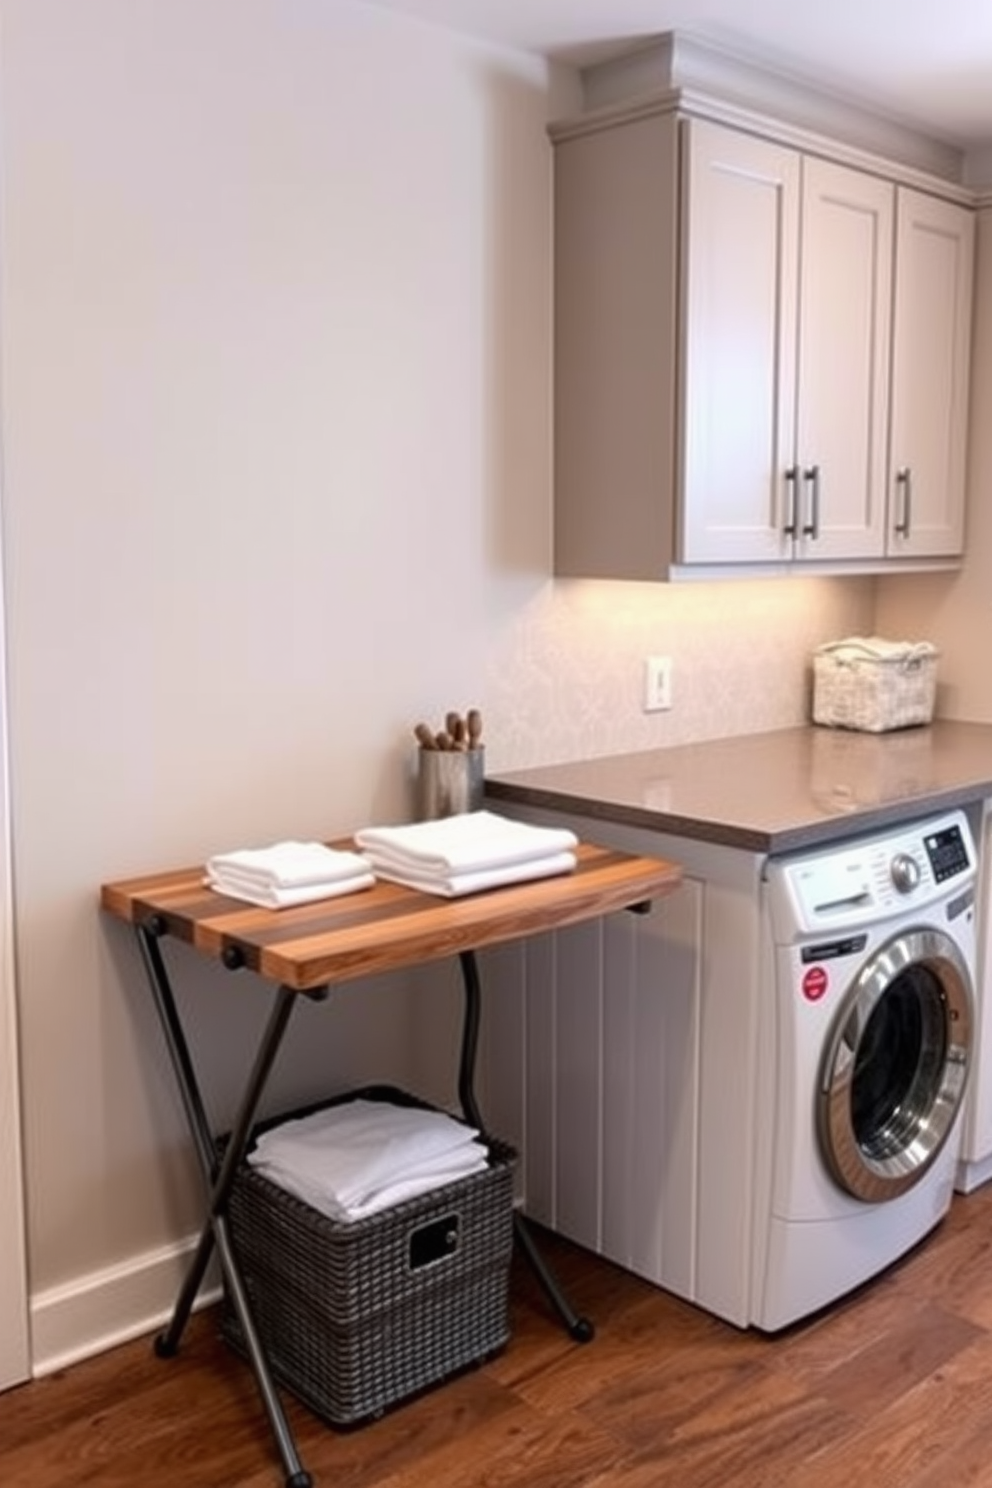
680,72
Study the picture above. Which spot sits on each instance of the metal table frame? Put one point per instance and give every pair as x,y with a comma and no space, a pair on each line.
219,1177
390,928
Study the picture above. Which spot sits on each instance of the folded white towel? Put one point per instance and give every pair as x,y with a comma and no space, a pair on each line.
289,865
409,1187
453,885
470,842
355,1158
353,1133
235,887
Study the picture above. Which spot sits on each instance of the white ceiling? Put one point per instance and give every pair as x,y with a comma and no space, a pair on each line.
927,62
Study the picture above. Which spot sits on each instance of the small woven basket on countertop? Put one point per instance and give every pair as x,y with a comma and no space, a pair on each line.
874,685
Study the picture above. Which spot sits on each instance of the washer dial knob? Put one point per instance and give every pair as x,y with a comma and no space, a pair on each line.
904,872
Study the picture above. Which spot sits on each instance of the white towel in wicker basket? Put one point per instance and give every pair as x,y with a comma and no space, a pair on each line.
874,685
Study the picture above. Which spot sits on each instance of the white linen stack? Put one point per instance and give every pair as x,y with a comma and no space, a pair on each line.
288,873
465,853
354,1159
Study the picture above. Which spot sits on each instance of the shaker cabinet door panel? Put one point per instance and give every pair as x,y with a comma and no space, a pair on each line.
844,338
740,243
930,370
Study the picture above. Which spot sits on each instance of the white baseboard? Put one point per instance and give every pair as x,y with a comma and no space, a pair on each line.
972,1175
104,1308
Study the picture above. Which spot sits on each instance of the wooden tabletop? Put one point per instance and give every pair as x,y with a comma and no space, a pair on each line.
382,928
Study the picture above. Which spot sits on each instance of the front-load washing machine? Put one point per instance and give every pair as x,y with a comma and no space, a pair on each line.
863,1058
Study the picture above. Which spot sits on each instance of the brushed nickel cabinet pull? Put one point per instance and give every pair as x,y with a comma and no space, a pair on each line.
791,476
904,482
811,476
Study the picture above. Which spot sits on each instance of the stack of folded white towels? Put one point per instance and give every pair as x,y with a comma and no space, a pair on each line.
288,873
463,854
351,1160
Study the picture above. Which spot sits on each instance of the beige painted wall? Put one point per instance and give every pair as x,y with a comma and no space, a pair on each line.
276,438
955,610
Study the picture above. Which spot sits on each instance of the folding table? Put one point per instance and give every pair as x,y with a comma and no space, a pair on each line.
304,951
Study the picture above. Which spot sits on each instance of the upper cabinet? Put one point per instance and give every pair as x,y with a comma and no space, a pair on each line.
787,294
931,357
761,356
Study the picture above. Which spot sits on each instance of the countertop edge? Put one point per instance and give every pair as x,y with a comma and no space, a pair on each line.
728,834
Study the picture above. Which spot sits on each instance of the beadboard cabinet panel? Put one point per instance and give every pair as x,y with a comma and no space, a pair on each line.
590,1066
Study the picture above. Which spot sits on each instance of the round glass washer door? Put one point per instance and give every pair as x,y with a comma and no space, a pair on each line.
896,1065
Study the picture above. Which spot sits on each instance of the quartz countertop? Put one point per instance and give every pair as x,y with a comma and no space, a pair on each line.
770,792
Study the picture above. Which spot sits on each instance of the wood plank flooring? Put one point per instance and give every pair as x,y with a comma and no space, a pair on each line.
891,1388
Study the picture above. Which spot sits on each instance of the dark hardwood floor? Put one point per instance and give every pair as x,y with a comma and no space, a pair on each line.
891,1388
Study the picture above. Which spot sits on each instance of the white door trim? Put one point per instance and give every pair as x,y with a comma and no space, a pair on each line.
15,1353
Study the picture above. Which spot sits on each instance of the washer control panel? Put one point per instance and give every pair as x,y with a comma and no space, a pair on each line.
947,852
866,879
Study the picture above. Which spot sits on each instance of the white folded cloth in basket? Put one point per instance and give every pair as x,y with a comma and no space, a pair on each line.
468,852
874,648
288,873
356,1158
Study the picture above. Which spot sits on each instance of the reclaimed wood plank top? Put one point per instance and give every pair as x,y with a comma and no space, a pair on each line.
382,928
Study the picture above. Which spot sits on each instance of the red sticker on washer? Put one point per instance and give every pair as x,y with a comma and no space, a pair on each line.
814,984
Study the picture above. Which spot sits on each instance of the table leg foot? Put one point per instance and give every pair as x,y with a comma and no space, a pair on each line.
578,1328
299,1480
164,1347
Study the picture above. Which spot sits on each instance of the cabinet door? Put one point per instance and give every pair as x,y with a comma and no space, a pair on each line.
930,369
844,341
740,258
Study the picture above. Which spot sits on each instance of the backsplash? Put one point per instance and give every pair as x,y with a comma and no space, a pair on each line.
566,680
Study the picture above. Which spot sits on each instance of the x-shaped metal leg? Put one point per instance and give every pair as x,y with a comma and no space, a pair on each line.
218,1179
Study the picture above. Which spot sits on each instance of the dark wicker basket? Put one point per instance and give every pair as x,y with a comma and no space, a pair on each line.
355,1317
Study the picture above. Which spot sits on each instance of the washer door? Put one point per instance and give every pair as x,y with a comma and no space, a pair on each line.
896,1065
